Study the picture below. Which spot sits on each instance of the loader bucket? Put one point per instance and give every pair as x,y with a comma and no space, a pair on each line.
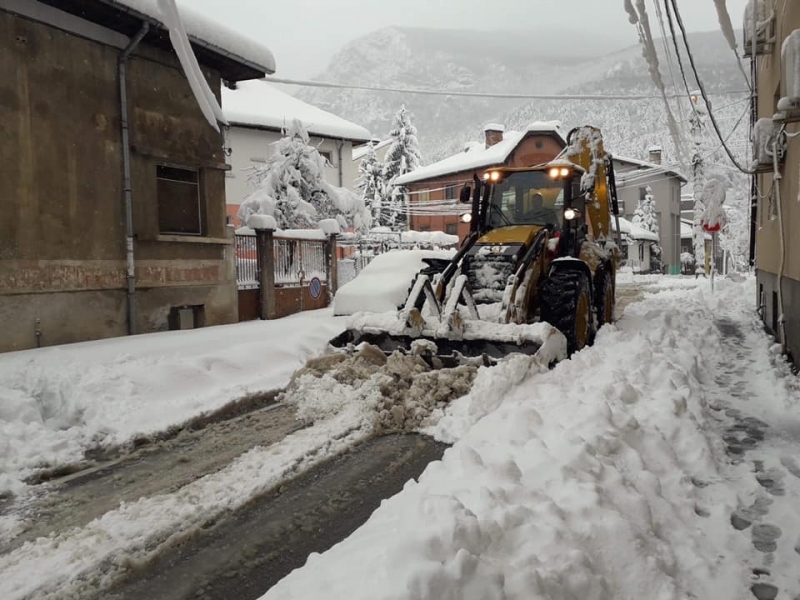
538,339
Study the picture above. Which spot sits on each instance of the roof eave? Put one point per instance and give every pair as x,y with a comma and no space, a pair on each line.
107,13
235,123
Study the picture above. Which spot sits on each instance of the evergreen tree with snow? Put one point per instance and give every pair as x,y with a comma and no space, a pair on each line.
402,157
645,217
291,187
371,183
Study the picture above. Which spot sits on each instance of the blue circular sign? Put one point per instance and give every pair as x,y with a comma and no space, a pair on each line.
315,287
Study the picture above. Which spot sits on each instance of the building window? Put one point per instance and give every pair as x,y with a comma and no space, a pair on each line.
451,192
424,196
179,208
642,193
451,228
424,228
327,156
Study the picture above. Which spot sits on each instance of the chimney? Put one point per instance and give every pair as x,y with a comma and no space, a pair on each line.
655,154
494,134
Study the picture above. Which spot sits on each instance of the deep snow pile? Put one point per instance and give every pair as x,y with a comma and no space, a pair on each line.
56,402
606,477
397,392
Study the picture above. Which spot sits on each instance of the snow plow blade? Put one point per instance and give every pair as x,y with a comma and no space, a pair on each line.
539,339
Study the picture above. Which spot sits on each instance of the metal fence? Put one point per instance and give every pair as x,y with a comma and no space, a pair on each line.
298,261
247,276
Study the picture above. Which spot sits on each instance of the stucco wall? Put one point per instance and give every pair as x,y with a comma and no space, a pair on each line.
768,232
251,147
666,192
62,235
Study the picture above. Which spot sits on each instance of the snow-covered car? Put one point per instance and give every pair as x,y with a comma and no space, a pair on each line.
384,283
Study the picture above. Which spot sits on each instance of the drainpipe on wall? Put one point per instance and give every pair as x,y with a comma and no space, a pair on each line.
126,175
339,146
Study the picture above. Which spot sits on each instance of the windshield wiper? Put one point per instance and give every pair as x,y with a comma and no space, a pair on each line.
502,214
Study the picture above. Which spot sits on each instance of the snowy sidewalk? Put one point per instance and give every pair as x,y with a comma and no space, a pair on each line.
58,401
660,463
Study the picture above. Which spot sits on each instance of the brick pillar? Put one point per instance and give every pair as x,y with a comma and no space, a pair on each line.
265,246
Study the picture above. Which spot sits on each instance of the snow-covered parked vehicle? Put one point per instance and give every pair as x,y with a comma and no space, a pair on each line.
384,283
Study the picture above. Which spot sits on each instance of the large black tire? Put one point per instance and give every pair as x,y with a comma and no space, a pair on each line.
604,301
566,302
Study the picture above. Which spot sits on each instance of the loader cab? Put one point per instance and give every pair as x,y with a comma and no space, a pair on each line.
523,197
536,196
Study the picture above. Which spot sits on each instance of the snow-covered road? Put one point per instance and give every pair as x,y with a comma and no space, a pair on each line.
616,475
58,402
663,462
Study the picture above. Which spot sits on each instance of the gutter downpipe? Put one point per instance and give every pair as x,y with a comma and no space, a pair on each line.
339,146
126,175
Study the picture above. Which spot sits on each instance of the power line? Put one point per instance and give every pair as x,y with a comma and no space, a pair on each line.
424,92
703,91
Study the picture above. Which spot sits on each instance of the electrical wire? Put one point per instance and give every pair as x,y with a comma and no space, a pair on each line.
668,55
424,92
700,85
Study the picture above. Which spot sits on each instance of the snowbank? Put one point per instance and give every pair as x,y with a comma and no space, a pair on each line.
56,402
383,284
599,479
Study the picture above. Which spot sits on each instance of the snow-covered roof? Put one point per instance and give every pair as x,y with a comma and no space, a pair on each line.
687,228
361,151
205,32
259,104
480,157
633,231
644,164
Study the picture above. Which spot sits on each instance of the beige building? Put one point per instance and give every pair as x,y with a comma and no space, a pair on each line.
88,91
633,178
259,113
775,50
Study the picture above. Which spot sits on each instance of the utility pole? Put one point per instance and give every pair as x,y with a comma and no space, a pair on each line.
698,181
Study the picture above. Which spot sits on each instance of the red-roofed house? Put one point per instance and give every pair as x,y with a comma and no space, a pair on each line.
434,189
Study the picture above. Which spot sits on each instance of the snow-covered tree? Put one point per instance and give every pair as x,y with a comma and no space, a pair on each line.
291,187
645,217
371,183
402,157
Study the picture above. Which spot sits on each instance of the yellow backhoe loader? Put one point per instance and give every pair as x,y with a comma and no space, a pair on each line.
539,256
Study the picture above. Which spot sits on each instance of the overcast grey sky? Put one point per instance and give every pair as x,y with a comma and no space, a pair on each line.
304,34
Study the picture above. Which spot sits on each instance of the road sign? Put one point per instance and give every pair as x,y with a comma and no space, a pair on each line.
711,228
315,287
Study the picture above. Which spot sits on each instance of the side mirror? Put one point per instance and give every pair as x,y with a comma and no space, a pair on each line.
466,192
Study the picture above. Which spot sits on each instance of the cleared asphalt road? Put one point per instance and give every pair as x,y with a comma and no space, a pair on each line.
244,554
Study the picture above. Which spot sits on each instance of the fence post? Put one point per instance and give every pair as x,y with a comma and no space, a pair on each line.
265,243
333,264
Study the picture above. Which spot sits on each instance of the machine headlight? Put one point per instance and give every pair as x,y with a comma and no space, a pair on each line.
570,214
466,218
494,176
553,173
564,172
